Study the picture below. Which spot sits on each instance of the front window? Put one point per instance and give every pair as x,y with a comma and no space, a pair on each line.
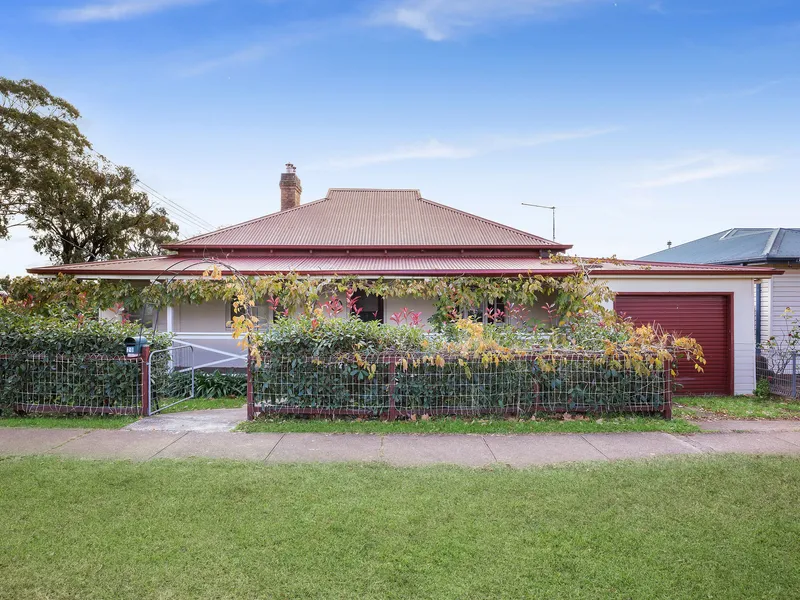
491,311
368,307
260,310
145,316
495,311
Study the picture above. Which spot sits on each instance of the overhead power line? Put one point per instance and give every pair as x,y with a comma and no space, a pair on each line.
176,211
200,221
187,222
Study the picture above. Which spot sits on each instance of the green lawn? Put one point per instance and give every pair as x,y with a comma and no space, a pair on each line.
667,528
205,404
686,409
67,421
111,422
468,425
740,407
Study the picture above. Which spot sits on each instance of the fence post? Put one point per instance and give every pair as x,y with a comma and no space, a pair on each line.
251,406
794,375
392,382
145,358
667,410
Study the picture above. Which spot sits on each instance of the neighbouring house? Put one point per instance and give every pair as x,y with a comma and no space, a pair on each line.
397,233
763,247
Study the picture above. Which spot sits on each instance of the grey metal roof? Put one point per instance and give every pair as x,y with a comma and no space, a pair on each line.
736,247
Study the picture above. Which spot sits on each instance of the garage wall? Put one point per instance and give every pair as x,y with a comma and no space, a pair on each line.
744,335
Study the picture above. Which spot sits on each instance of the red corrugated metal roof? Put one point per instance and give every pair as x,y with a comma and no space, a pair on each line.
318,264
350,218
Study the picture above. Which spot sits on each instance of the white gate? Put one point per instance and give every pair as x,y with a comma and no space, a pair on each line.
171,376
172,371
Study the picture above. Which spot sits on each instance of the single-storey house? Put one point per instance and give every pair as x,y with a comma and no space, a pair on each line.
764,247
397,233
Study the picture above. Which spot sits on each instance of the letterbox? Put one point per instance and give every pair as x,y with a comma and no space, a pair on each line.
134,345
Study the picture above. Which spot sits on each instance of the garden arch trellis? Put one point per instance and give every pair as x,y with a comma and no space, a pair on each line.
170,372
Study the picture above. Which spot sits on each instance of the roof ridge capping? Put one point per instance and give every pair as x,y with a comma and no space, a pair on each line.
768,247
346,189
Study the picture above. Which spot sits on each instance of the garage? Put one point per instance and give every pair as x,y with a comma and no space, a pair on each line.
705,317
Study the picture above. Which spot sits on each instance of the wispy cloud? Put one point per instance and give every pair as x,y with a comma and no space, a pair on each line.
741,92
434,149
699,167
117,10
269,44
253,53
439,20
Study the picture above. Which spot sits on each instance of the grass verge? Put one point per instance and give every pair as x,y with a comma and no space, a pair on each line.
90,529
614,424
110,421
67,421
739,407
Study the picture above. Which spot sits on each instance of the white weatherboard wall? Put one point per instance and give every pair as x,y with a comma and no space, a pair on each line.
784,293
396,305
205,325
743,315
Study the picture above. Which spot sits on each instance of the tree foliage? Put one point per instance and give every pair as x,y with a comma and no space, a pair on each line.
91,211
37,130
78,205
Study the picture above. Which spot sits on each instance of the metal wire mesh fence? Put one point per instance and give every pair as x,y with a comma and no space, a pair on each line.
88,383
779,368
391,385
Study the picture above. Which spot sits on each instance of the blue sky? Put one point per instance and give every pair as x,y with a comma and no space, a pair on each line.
643,121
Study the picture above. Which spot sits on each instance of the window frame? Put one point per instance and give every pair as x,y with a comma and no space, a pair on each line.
469,313
381,312
259,309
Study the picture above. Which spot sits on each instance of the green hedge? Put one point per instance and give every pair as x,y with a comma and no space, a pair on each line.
307,336
460,386
327,365
68,363
33,334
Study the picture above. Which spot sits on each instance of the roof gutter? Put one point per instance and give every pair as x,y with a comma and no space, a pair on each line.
755,272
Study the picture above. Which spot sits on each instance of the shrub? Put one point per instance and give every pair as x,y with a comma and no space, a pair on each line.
68,361
338,364
73,335
762,390
209,385
322,337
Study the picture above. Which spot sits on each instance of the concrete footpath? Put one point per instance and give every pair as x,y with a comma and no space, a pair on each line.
397,449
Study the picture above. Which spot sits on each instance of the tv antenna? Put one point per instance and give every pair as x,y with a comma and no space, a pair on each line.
550,208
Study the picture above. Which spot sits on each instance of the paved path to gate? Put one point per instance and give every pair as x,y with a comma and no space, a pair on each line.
771,437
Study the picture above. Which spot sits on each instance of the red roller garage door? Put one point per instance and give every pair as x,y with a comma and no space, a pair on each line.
706,318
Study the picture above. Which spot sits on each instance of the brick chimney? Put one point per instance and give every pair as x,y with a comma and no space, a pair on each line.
290,188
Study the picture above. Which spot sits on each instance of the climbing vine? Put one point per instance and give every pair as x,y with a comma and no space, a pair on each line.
577,309
572,294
